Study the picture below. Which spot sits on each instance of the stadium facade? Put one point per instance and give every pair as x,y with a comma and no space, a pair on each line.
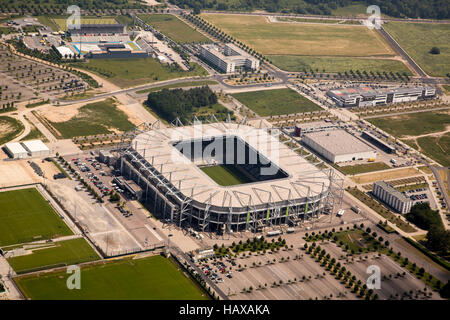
284,189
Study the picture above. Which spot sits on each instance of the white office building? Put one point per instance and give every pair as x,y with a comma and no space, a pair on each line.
392,197
229,58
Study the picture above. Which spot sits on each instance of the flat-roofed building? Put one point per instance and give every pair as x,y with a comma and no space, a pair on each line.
36,148
392,197
365,96
304,128
15,150
338,146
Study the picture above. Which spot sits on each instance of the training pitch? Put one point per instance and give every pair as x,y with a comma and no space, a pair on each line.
153,278
55,254
26,216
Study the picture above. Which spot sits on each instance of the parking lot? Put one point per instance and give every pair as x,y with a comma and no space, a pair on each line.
287,274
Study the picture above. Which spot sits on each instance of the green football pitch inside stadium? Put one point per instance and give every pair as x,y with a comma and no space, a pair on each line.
26,216
226,175
153,278
55,254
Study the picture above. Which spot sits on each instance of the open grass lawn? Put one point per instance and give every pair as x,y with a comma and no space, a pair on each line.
357,240
95,118
276,102
62,22
226,175
132,72
364,167
386,175
294,63
174,28
301,39
413,124
153,278
437,148
9,129
59,253
49,22
26,216
417,39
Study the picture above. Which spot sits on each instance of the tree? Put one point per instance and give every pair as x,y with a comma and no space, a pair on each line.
435,50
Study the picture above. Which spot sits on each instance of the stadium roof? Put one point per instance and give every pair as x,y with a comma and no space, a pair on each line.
304,179
338,142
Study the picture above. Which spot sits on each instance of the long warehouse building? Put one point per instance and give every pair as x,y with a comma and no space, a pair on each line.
338,146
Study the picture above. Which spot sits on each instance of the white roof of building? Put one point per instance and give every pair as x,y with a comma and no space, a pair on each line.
339,142
64,50
35,146
15,147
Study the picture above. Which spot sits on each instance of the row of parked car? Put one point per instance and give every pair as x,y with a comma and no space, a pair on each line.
99,184
422,196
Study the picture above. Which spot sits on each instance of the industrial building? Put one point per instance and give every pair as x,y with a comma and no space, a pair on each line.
308,127
338,146
229,58
365,96
392,197
179,192
378,142
15,150
36,148
115,51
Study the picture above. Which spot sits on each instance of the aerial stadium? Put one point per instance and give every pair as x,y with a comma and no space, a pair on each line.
227,177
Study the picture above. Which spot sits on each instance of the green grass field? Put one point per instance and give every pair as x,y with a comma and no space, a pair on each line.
26,216
9,128
133,72
226,175
417,39
357,240
364,167
153,278
413,124
62,22
437,148
336,64
67,252
301,39
174,28
276,102
95,118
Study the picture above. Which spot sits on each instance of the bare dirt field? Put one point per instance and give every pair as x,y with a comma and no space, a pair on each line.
16,172
386,175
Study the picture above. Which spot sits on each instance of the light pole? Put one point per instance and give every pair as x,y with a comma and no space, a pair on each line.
168,243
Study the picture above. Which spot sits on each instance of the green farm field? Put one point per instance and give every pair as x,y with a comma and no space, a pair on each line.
174,28
276,102
437,148
417,39
413,124
336,64
226,175
133,72
59,253
26,216
301,39
101,117
153,278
